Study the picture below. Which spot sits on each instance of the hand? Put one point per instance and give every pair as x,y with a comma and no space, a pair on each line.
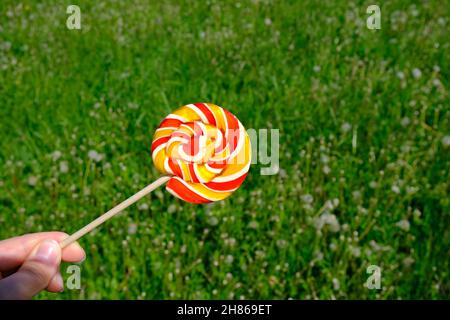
30,264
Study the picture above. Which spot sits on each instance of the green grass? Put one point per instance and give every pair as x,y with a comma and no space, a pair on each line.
355,125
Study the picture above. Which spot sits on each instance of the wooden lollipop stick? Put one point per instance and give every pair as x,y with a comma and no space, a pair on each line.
111,213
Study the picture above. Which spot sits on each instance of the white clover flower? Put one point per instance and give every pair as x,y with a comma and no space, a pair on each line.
63,167
307,198
94,155
316,68
281,243
416,73
324,159
408,261
411,189
56,155
213,221
446,141
395,189
403,224
253,224
405,121
336,284
133,106
335,202
355,251
318,256
417,213
318,223
331,204
229,259
132,228
400,75
329,220
230,242
172,208
143,206
267,21
436,82
346,127
32,180
356,195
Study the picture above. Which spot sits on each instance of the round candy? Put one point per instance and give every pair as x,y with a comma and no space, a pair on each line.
205,149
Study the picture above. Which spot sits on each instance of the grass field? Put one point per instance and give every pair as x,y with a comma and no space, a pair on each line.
364,144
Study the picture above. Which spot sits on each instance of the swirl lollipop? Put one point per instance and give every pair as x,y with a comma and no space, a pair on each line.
205,149
204,153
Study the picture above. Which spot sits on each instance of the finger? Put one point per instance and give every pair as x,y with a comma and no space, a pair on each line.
35,273
14,251
56,283
73,253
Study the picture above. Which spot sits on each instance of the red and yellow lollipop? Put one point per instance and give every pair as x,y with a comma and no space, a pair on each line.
206,151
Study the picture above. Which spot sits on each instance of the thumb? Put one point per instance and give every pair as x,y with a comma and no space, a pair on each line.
35,273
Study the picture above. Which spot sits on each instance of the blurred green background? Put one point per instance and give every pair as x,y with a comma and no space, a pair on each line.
364,144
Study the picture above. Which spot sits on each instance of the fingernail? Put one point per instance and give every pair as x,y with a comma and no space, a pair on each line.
60,282
47,251
80,249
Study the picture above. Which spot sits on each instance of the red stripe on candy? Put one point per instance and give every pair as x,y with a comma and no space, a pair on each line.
184,192
226,186
170,123
192,147
233,130
207,112
159,142
192,172
175,167
217,164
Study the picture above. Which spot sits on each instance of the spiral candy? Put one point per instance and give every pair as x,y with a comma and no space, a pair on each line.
206,151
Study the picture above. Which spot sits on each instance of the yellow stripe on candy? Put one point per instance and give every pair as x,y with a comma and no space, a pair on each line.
163,132
204,192
203,173
221,122
187,113
158,160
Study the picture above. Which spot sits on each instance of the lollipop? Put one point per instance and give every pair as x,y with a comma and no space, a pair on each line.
205,149
204,153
